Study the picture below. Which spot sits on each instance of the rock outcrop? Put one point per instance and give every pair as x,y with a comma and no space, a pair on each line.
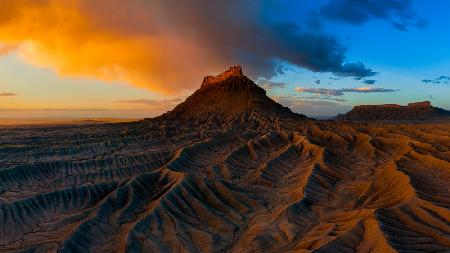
413,112
229,98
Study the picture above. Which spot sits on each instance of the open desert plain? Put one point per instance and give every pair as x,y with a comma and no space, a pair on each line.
224,126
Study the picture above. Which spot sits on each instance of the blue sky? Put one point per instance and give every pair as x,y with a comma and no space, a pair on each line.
402,58
318,57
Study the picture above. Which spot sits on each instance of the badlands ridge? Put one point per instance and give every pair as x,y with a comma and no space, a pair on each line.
228,170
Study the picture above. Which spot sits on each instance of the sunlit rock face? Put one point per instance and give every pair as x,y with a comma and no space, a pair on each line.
413,112
228,170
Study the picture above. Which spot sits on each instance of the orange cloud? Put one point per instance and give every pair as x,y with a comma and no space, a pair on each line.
5,49
165,46
108,40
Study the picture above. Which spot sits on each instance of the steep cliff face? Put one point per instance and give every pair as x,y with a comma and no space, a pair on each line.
420,111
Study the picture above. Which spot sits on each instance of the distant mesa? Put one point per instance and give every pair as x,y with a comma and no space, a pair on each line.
419,111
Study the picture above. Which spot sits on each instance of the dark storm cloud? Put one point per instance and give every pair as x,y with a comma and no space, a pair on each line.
168,46
369,81
234,31
397,12
439,80
357,70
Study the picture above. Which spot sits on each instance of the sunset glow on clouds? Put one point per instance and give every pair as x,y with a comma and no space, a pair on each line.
161,45
100,39
140,50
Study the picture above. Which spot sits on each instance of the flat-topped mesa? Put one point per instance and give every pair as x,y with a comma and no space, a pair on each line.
424,104
420,104
378,106
418,111
233,71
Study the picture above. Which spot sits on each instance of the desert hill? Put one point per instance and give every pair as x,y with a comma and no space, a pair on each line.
228,170
419,112
228,98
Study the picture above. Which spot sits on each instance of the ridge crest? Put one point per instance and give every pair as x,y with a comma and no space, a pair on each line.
233,71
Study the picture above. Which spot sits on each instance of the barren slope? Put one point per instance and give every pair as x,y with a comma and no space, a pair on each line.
253,177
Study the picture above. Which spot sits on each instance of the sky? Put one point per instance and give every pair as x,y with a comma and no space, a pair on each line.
140,58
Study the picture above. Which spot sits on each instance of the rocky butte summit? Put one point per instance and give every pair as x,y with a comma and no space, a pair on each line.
229,98
228,170
413,112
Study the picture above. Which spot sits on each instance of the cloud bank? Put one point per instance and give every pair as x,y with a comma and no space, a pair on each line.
439,80
312,108
7,94
151,102
341,92
356,12
6,49
165,46
369,82
269,84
